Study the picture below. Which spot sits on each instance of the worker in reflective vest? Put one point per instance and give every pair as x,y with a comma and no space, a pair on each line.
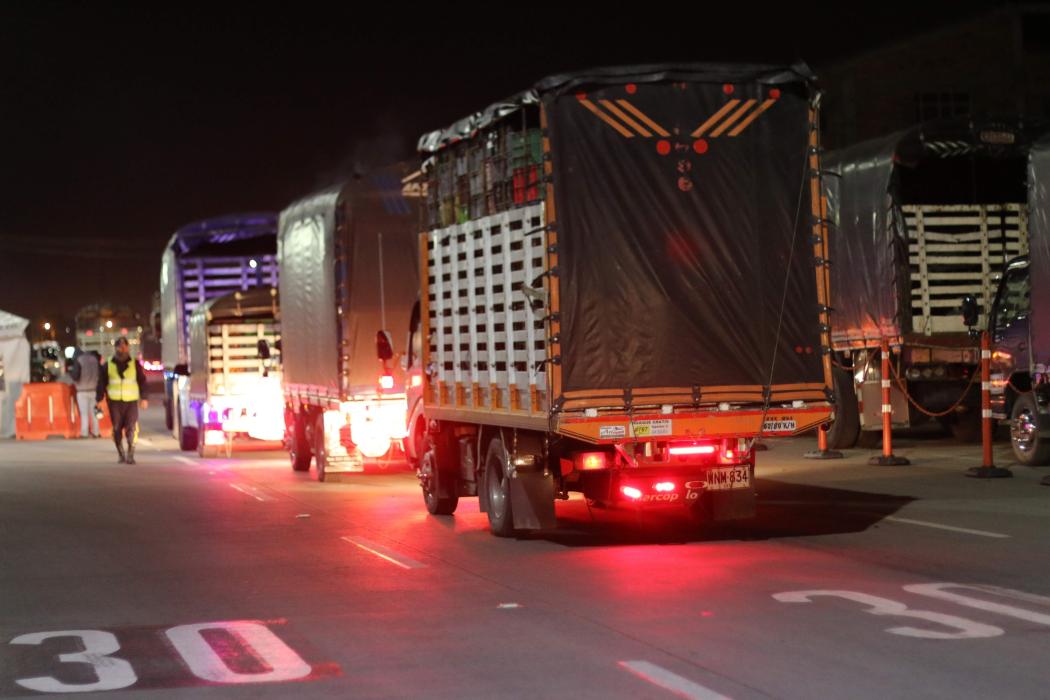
122,382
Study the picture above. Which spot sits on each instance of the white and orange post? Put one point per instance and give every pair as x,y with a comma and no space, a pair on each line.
987,470
887,458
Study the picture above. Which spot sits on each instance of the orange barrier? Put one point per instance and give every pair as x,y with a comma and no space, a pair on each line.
46,409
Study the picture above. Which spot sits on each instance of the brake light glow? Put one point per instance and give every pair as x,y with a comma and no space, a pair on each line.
681,450
591,460
664,486
417,380
631,492
214,437
386,381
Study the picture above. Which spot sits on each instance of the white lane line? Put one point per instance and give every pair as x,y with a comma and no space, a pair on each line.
682,687
248,490
185,460
385,553
968,531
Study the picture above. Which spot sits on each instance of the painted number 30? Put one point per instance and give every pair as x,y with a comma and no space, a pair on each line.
203,661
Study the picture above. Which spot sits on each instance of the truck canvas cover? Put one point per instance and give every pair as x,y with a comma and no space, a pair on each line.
1039,246
347,257
684,233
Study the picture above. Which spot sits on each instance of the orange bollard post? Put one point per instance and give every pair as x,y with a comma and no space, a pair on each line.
822,451
987,470
887,458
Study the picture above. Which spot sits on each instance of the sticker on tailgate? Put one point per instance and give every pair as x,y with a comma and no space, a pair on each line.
611,432
651,428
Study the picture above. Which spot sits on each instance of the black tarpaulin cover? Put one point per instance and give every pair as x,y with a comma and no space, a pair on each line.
682,210
1039,247
865,242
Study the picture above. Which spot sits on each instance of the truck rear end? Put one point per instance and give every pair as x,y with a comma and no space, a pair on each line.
624,288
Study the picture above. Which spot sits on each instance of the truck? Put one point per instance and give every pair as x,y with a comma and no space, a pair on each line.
1018,322
919,218
347,258
233,390
202,261
622,287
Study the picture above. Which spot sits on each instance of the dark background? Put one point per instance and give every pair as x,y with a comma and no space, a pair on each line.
119,123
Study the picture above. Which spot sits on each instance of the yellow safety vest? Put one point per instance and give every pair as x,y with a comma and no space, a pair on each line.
124,388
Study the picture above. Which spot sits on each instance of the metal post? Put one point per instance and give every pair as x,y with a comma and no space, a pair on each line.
887,458
987,470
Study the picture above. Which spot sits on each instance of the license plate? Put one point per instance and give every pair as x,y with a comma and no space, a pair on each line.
779,426
725,478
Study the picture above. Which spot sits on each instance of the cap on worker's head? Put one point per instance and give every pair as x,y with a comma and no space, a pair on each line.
120,341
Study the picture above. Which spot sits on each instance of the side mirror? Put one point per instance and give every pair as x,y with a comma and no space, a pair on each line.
264,349
970,311
384,346
182,370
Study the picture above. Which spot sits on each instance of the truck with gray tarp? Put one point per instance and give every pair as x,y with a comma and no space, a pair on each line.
622,287
918,219
203,261
348,270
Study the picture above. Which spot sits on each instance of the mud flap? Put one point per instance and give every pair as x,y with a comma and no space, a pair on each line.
735,504
532,500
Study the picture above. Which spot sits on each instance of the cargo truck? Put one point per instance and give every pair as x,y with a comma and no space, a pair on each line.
919,218
348,272
233,391
203,261
623,285
1019,324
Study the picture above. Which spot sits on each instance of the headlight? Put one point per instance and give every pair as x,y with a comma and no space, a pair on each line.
913,373
939,371
927,373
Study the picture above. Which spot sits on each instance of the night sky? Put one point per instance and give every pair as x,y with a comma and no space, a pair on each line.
120,123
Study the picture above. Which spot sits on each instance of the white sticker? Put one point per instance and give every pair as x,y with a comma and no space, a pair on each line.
651,428
612,432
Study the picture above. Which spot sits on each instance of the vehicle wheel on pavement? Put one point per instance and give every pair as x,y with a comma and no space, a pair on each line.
1029,448
298,446
320,456
433,468
966,427
497,485
845,429
187,434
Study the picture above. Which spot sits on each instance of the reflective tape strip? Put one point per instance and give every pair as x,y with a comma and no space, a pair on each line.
886,408
986,354
986,413
886,384
986,386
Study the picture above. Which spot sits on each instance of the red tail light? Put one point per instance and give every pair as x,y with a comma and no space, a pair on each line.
733,451
631,492
417,380
685,450
386,381
590,460
664,486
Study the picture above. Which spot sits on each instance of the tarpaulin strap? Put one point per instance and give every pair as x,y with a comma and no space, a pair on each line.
822,221
628,397
556,317
696,396
820,262
553,272
767,394
829,395
541,229
559,403
822,173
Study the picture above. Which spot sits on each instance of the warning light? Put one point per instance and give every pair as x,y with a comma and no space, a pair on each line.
774,94
109,324
631,492
700,146
253,264
417,380
680,450
591,460
664,486
123,331
663,147
386,381
89,332
728,89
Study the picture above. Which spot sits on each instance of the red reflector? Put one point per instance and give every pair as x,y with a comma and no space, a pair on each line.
692,450
631,492
664,486
417,380
591,460
386,382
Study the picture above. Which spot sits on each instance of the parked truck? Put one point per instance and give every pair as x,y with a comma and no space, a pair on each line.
919,218
203,261
348,272
233,390
1019,324
622,287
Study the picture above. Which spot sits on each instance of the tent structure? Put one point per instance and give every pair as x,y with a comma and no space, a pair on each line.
14,368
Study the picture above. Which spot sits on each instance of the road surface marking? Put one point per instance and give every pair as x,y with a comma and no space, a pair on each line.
185,460
923,523
385,553
937,590
250,491
682,687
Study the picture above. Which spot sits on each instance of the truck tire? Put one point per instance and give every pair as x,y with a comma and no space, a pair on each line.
433,468
320,456
497,486
298,448
1029,448
845,429
187,434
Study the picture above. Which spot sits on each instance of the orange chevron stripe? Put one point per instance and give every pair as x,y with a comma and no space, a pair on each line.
630,122
607,119
736,115
641,115
714,118
751,117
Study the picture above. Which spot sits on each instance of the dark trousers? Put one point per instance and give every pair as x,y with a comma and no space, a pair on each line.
125,417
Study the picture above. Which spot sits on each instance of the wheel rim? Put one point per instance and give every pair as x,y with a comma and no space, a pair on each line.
426,476
497,482
1023,431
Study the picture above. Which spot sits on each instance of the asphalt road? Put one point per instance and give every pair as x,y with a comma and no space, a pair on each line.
181,577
